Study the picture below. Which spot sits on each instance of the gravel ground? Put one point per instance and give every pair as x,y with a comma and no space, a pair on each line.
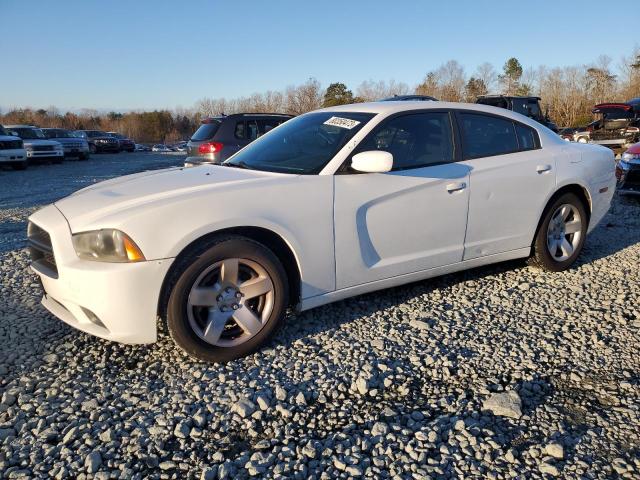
499,372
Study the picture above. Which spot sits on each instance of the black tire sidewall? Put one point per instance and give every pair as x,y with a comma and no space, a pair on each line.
541,250
192,266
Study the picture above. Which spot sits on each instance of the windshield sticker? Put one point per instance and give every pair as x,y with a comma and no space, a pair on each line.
342,122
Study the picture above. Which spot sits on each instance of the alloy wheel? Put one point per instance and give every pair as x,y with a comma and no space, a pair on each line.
564,232
230,302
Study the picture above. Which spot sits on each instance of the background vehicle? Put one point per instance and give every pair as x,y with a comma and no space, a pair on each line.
38,148
73,144
331,204
12,150
575,134
220,137
527,106
179,147
142,148
411,98
628,171
617,127
160,147
100,141
126,144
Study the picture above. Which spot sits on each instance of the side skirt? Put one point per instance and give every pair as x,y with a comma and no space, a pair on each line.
312,302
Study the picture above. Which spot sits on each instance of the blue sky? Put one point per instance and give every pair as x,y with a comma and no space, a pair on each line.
143,54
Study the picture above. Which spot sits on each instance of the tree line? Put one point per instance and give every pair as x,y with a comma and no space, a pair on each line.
568,94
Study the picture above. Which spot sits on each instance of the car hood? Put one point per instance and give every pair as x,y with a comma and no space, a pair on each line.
43,143
8,138
91,204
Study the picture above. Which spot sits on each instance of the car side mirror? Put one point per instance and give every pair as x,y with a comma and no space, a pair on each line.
373,161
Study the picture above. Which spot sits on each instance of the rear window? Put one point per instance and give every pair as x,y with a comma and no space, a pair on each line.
206,131
526,137
484,135
615,113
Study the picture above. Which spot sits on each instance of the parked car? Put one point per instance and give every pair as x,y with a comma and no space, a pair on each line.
331,204
160,148
126,144
218,138
12,151
179,147
73,144
142,148
617,126
409,98
38,147
628,171
527,106
100,141
575,134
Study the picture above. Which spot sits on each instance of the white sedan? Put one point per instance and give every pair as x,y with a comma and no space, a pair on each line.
331,204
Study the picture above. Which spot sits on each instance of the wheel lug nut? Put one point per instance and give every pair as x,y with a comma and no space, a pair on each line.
219,298
228,289
238,295
223,309
235,306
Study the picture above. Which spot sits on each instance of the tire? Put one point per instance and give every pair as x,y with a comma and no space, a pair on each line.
559,239
93,149
83,157
205,327
20,165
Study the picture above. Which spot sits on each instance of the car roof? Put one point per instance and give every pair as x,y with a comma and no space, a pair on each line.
20,126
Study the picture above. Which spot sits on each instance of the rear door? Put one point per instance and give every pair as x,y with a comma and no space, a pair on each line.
510,181
407,220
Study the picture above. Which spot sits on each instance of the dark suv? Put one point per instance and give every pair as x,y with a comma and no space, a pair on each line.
527,106
100,141
220,137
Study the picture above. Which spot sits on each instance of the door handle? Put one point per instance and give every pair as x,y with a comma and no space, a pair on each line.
543,169
456,187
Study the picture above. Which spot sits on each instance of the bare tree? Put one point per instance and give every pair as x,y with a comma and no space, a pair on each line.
303,98
488,75
370,91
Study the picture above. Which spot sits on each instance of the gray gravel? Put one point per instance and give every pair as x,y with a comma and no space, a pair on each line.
498,372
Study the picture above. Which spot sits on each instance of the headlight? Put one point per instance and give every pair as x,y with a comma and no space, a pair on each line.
631,156
107,245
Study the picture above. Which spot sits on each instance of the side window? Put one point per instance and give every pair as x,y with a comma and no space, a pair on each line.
484,135
266,124
415,140
239,132
252,130
526,137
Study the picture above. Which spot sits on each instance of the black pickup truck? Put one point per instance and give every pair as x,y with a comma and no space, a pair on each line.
527,106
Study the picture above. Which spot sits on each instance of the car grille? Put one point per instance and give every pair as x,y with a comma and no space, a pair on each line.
43,148
632,177
41,251
73,145
10,144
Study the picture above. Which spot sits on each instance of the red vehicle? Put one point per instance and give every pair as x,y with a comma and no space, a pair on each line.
628,171
126,144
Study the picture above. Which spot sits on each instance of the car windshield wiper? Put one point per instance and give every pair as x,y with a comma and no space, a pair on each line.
238,165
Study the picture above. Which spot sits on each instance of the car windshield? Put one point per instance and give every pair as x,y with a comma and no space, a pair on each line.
29,133
57,133
616,113
303,145
206,131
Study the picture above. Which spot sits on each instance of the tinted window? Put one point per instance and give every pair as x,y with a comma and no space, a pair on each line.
252,130
527,106
526,137
206,131
415,140
302,145
266,124
484,135
239,131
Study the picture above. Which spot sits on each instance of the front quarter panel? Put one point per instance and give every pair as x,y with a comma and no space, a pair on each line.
298,208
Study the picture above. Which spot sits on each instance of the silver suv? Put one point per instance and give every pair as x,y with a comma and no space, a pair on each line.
38,147
220,137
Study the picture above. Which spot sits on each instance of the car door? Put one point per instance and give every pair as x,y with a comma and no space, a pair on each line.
511,179
410,219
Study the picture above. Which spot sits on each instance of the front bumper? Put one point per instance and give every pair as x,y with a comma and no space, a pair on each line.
75,151
13,155
45,155
115,301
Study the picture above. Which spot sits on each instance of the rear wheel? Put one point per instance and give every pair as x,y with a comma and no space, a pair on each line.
561,234
227,300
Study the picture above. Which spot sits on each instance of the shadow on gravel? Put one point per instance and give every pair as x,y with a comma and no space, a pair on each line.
301,326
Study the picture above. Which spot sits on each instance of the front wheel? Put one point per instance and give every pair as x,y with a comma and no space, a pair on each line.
228,299
561,234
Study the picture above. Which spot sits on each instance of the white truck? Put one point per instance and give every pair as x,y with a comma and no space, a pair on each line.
12,151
